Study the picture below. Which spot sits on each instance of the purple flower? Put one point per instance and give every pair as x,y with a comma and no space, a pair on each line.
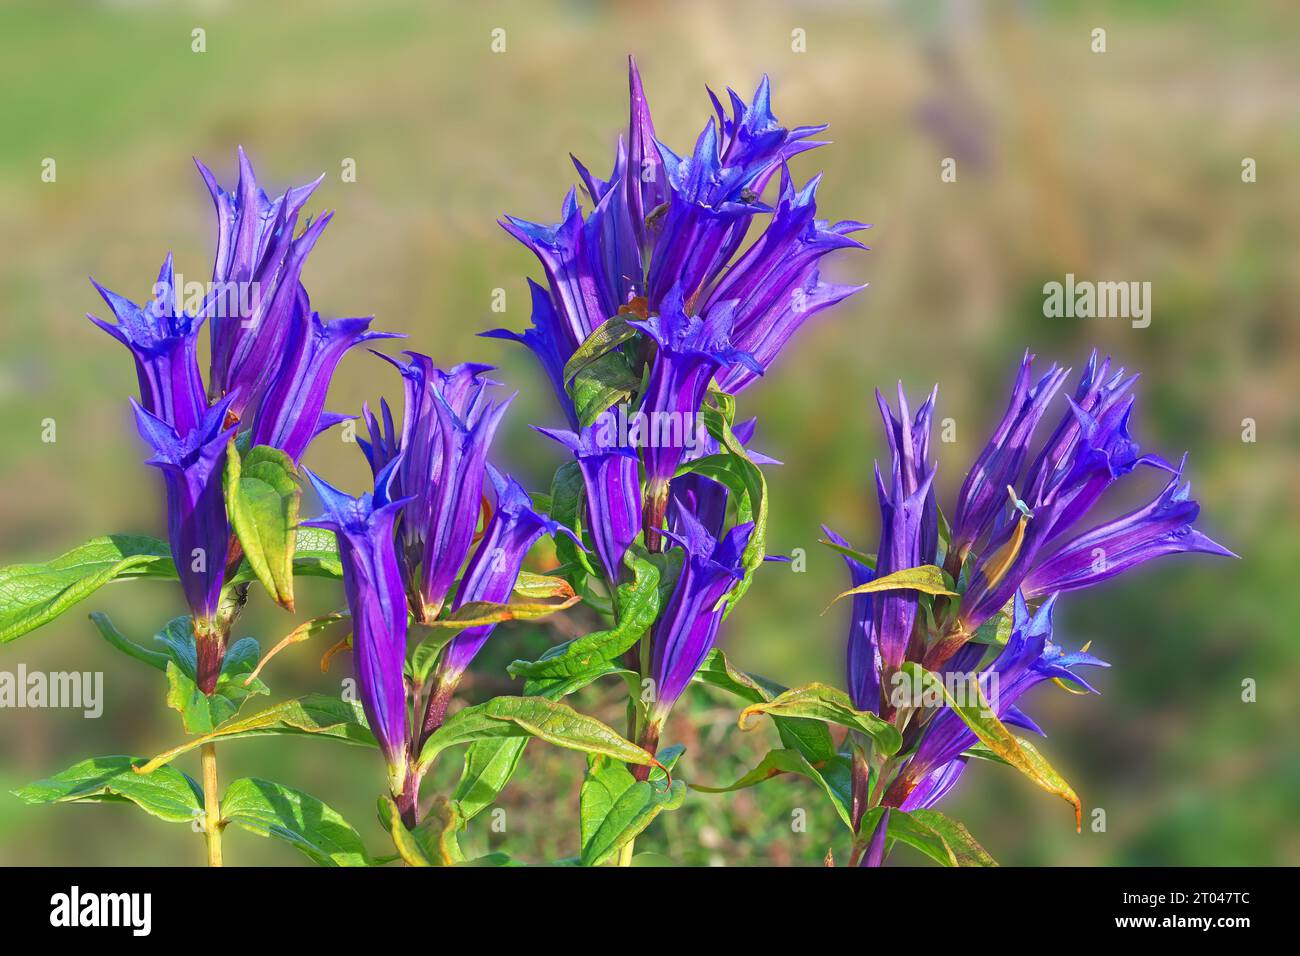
662,221
255,284
714,192
447,428
776,282
863,665
376,597
909,522
494,568
690,352
292,412
198,531
1029,658
162,340
1162,527
549,342
702,498
688,624
1089,451
612,485
983,495
875,854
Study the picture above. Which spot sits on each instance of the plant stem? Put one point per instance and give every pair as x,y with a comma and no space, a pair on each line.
211,805
625,854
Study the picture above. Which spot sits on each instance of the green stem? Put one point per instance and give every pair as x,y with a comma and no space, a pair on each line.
625,854
211,804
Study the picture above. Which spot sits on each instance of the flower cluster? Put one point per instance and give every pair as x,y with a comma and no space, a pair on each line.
648,304
272,358
1014,540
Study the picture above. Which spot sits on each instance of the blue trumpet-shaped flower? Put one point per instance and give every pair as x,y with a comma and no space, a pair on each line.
662,222
1160,528
1089,451
198,530
494,568
612,485
292,411
372,580
909,522
688,624
162,338
691,350
255,279
447,429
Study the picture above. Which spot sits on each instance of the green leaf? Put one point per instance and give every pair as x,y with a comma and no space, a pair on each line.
201,713
964,847
904,828
606,381
551,721
810,737
316,553
638,604
1019,753
822,702
433,842
606,337
262,497
616,807
115,637
927,578
860,556
35,594
168,794
747,480
274,810
489,765
535,586
315,715
833,776
480,613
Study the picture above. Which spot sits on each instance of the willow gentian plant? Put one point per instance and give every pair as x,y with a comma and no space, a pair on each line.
653,316
661,302
952,625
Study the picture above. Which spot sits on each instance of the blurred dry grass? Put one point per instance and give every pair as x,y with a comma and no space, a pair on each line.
1123,165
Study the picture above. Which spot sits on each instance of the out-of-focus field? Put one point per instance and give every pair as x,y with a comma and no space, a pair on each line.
1117,166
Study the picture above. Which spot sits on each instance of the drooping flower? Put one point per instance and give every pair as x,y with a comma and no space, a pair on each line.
255,279
688,624
198,530
162,338
292,411
372,580
1029,658
1164,526
612,485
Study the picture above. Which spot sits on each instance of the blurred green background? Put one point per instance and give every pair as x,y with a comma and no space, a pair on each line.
1117,166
